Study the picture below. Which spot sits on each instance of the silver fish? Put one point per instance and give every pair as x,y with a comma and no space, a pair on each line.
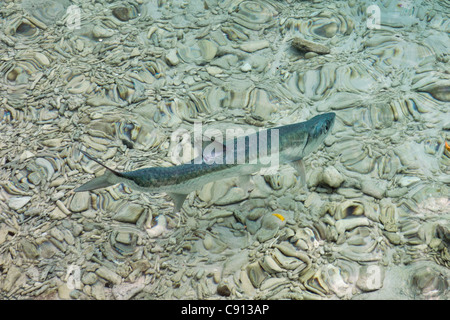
293,143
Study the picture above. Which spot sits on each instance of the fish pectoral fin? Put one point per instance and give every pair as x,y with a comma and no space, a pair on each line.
178,200
299,166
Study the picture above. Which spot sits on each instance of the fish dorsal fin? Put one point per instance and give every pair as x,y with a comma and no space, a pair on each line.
208,149
178,200
299,166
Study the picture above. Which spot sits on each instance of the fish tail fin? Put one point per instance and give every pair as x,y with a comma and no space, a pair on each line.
110,177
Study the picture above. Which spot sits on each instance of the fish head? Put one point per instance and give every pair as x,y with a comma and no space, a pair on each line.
318,129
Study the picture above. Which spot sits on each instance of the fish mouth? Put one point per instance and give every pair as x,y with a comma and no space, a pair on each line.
330,116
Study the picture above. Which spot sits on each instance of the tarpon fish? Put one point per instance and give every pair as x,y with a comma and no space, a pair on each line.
292,144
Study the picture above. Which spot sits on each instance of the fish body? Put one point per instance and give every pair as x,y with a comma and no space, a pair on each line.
239,157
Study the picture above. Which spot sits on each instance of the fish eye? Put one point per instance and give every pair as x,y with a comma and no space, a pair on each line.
321,128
